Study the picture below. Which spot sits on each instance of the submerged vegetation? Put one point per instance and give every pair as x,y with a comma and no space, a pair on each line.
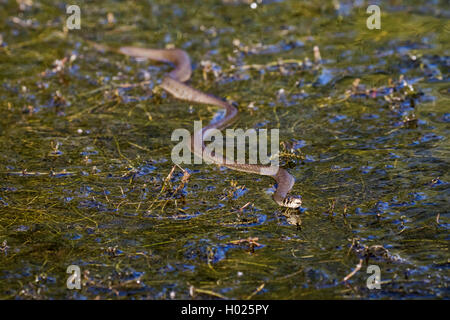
87,179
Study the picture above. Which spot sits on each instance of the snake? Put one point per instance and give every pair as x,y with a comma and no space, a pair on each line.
174,83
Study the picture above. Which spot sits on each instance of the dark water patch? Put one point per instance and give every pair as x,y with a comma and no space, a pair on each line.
205,251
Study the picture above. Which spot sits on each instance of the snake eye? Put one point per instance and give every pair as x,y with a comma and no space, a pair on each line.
293,201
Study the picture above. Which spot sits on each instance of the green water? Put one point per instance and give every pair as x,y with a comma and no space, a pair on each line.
86,151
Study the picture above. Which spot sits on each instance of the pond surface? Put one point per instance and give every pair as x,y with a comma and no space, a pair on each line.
86,173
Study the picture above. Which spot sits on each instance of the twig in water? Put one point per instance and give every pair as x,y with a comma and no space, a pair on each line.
351,274
255,292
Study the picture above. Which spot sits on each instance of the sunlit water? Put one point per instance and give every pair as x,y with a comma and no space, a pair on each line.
85,140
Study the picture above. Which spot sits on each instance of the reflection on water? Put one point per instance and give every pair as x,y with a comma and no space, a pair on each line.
85,136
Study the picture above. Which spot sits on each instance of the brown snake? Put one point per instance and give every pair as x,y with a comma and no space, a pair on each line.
173,83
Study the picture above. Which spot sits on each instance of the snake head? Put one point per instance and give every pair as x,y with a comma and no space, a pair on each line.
292,202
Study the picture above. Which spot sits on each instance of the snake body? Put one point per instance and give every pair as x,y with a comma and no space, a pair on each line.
174,84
